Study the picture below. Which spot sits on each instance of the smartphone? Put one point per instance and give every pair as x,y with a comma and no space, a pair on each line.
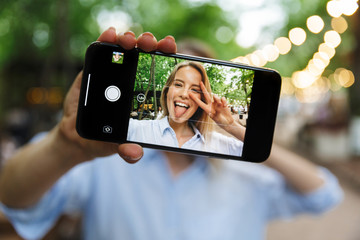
177,102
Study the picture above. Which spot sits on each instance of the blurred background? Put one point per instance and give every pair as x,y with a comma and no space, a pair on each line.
314,44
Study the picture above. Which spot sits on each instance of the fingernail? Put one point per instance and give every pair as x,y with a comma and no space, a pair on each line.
133,159
147,34
129,33
170,37
112,28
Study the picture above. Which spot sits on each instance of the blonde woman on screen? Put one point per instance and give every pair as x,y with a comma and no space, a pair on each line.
190,111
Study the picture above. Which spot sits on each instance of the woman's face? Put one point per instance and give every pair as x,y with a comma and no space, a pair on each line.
180,105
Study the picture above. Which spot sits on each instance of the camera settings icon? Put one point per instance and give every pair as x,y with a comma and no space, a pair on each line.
141,97
107,129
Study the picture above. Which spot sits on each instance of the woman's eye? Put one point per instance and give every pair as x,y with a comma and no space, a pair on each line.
177,85
196,90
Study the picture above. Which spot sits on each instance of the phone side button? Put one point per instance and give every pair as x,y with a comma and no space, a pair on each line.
87,89
112,93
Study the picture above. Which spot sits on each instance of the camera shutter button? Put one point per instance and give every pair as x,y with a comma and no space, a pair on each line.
112,93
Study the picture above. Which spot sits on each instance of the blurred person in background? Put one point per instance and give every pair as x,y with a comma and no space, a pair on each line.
165,195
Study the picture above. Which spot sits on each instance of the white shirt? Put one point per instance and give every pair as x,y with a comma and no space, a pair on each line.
159,132
144,201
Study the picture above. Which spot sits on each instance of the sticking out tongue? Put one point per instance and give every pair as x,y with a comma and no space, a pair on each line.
179,111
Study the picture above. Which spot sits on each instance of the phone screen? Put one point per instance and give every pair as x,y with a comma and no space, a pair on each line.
190,104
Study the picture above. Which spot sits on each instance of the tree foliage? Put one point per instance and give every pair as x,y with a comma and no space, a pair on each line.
153,71
42,43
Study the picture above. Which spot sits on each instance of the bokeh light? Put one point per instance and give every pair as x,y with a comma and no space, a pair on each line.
332,38
315,24
224,34
303,79
242,60
339,24
323,57
271,52
55,96
334,8
37,95
325,48
261,58
344,77
283,44
349,7
287,87
314,69
254,59
309,84
297,36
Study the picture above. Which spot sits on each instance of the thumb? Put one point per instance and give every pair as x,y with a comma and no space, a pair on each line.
130,152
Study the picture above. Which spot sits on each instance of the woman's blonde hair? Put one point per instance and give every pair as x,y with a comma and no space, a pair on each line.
200,119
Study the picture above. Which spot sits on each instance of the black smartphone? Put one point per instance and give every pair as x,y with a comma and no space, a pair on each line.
177,102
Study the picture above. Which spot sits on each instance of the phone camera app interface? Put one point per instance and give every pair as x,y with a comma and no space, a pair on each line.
190,105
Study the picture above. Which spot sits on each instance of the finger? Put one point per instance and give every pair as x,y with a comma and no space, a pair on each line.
223,101
217,100
199,102
147,42
127,40
77,82
167,45
108,35
131,153
74,91
73,94
207,95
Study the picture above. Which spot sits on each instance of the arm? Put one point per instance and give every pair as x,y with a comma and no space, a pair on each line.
36,167
301,174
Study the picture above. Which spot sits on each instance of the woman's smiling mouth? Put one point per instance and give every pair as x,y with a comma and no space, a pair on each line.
180,108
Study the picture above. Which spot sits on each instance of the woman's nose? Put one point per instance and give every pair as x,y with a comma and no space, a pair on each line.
185,93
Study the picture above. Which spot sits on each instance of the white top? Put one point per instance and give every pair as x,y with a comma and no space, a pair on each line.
159,132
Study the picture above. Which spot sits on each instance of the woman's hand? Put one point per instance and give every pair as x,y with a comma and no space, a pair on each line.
218,110
87,149
215,107
32,170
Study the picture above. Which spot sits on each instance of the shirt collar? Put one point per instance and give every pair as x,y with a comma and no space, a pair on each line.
164,125
197,133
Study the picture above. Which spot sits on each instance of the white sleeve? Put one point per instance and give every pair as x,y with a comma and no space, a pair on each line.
67,195
285,202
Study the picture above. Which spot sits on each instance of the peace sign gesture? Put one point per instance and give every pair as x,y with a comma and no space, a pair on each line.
217,109
214,106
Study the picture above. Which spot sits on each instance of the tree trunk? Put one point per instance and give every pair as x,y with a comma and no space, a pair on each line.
152,75
152,70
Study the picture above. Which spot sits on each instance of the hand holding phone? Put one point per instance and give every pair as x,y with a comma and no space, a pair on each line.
85,149
120,98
